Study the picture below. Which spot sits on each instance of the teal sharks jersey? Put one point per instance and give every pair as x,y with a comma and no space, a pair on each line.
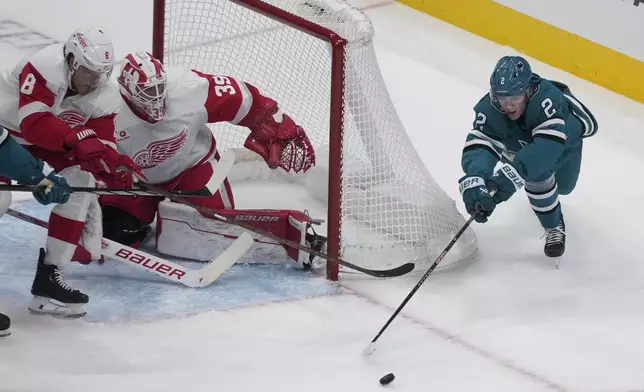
553,122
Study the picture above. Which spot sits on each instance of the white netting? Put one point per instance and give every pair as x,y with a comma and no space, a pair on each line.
392,210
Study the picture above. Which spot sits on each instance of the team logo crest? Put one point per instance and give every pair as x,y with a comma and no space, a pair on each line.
161,151
72,117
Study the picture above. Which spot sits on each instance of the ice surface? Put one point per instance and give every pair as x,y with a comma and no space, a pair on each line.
509,321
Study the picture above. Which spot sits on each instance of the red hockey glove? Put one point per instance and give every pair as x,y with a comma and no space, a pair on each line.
281,143
84,144
124,172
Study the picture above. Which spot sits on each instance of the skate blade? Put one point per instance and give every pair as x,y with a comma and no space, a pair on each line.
51,307
4,333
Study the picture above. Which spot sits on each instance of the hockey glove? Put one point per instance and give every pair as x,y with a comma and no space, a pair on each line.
122,171
281,142
506,181
477,199
53,188
85,145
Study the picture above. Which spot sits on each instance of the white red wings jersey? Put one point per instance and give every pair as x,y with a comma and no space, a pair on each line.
34,106
181,140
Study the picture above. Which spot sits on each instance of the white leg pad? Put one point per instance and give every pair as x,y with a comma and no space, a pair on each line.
184,232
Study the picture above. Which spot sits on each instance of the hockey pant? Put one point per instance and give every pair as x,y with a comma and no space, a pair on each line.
184,232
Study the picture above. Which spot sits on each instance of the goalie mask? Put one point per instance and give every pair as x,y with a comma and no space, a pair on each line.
143,85
90,59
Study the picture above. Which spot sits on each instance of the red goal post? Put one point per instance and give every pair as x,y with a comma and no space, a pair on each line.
315,57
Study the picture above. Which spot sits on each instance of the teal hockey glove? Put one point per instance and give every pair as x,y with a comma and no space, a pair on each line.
53,188
476,198
505,182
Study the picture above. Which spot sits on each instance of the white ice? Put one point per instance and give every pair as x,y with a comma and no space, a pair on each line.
509,321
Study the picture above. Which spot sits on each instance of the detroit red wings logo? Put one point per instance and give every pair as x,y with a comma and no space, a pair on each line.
72,117
161,151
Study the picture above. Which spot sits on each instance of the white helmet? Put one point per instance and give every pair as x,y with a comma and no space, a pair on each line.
92,52
142,82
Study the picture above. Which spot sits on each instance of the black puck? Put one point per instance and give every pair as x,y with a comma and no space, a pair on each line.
387,379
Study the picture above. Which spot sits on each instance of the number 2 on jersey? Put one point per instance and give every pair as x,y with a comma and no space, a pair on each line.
28,85
548,107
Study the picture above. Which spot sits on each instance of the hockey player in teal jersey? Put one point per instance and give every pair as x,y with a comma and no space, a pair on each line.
18,164
535,129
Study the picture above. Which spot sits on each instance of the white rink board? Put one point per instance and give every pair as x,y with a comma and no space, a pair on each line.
617,24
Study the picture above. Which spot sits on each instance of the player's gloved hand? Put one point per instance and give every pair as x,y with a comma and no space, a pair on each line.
85,145
476,198
52,187
123,172
505,181
281,142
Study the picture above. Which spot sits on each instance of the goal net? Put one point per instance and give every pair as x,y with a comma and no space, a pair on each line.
316,59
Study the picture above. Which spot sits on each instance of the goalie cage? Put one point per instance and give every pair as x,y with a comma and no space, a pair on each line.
316,58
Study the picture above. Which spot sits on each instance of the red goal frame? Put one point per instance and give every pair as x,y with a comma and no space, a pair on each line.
336,113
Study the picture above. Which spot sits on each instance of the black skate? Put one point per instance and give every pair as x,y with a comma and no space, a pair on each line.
318,243
5,324
52,295
556,240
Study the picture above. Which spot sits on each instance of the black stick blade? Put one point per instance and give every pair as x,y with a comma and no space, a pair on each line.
390,273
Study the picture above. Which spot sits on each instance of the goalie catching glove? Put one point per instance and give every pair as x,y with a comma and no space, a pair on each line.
280,141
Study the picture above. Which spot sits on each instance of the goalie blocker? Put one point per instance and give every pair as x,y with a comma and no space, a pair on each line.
184,232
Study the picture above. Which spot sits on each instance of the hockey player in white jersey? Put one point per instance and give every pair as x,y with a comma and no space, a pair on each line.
54,103
162,126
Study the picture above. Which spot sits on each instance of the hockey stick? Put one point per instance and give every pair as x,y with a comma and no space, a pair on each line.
398,271
195,278
223,167
98,191
372,346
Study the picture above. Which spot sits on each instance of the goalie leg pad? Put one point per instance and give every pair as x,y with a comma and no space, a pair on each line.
184,232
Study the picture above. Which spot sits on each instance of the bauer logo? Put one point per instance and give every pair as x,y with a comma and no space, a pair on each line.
148,263
257,218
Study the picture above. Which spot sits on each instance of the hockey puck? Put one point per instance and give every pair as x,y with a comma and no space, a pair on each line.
387,379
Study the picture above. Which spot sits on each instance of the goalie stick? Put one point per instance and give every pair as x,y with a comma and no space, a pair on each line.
164,268
394,272
195,278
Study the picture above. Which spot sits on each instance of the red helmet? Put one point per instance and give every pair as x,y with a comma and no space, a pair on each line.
143,83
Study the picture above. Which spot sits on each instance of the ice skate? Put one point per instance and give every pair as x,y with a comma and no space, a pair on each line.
318,243
52,295
556,240
5,325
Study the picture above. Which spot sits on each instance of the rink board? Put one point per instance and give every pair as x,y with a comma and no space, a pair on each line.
119,293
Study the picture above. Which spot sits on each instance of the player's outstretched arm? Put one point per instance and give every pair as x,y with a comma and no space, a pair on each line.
19,165
274,135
